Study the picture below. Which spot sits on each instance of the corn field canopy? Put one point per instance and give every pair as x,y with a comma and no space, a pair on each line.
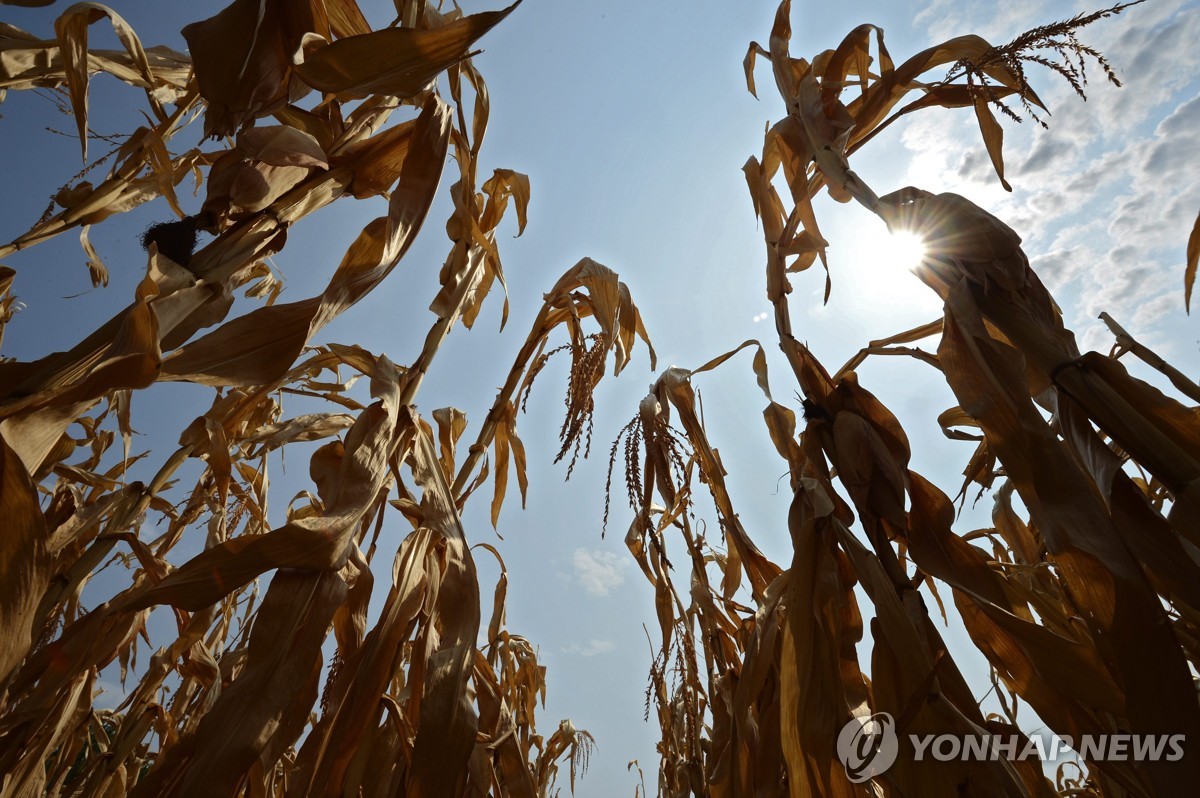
326,299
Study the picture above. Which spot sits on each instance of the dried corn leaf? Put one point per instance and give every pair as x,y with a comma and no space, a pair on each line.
243,59
398,62
260,347
1193,260
71,28
24,559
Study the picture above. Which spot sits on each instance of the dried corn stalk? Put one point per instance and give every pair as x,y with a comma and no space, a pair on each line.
1086,610
233,703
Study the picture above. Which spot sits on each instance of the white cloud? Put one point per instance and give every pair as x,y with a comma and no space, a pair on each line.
1057,267
1047,151
599,572
1157,35
943,19
1104,199
591,648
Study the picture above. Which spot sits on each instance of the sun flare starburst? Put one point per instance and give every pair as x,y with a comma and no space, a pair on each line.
903,250
880,265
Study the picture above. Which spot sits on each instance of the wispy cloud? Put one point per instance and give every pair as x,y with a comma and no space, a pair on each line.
943,19
1102,199
598,572
591,648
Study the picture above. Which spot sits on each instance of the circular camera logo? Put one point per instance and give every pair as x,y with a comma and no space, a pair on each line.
867,746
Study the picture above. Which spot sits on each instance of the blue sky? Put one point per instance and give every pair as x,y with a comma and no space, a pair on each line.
633,121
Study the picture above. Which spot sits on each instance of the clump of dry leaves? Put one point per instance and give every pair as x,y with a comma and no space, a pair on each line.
307,105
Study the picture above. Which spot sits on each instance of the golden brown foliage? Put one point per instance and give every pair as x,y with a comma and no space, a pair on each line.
1085,610
413,703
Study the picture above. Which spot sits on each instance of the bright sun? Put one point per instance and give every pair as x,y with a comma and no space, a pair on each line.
903,250
887,256
882,264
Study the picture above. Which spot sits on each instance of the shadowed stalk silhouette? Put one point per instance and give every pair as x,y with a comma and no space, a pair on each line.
1085,610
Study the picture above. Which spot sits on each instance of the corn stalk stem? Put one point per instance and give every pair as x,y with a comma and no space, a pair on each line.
438,332
503,398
